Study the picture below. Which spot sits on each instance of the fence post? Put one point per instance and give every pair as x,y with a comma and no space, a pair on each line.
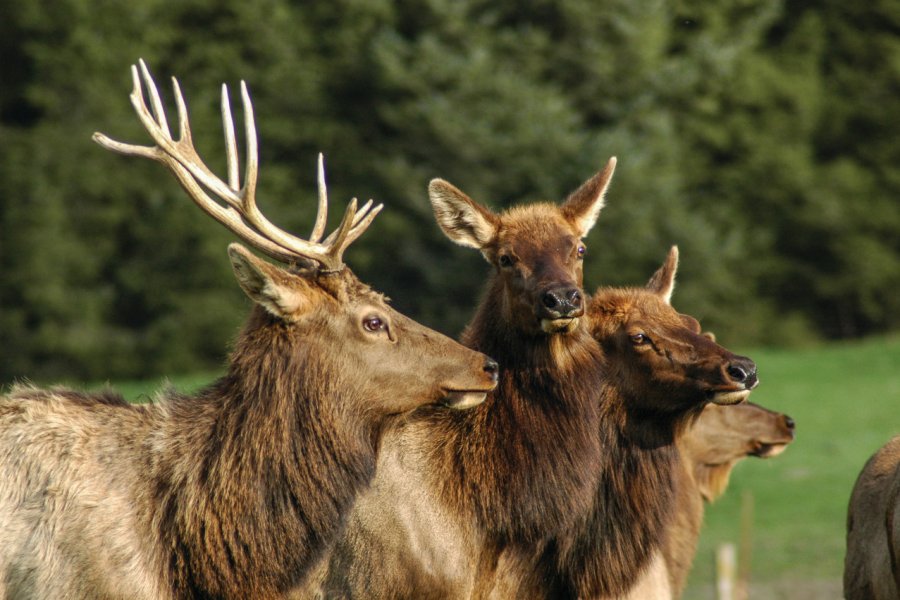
726,569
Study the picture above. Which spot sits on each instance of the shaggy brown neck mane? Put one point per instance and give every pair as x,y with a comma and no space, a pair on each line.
633,503
277,474
522,462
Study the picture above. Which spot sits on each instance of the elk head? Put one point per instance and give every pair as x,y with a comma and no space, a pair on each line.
536,250
726,433
723,435
313,307
660,357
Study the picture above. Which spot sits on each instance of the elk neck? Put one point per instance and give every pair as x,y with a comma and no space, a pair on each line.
264,462
634,498
523,461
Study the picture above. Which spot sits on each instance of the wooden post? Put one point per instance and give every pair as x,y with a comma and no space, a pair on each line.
726,560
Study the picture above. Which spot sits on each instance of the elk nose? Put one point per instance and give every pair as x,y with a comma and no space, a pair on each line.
492,369
563,301
789,423
743,370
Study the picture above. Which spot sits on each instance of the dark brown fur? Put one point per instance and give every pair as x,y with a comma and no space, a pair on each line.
872,563
659,373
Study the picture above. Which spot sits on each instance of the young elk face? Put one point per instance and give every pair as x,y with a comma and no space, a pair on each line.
353,336
537,250
660,355
723,434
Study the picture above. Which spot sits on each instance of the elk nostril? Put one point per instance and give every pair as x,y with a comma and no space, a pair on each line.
550,300
574,297
737,373
492,368
789,422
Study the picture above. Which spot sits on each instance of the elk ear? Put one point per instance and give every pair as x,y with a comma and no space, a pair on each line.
663,281
284,295
583,206
463,220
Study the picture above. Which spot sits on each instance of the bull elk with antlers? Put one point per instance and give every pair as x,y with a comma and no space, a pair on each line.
237,491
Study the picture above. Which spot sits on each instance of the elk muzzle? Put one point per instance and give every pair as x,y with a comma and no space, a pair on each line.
559,309
781,437
463,399
740,377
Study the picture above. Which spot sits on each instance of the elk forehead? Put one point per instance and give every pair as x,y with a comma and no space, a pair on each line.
619,307
536,235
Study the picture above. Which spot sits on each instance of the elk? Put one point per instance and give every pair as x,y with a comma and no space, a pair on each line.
659,374
237,491
872,562
721,437
515,469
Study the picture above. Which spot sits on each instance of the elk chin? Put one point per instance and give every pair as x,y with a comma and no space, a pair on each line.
564,325
729,397
768,450
461,400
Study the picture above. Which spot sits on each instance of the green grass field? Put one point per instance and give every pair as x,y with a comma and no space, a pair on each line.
846,401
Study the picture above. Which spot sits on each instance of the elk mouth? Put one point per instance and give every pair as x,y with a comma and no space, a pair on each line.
768,449
728,397
463,399
734,394
561,325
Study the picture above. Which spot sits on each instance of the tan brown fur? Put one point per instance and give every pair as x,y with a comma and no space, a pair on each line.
872,562
721,437
237,491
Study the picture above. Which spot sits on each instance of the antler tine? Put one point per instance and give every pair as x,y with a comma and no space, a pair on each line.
361,221
230,143
240,213
322,212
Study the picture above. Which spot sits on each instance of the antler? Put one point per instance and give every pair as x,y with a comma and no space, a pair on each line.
239,212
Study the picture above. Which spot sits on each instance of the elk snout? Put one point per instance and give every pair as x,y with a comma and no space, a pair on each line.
740,376
742,370
461,398
562,302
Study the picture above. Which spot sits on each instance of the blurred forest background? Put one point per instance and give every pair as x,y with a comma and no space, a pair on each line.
761,136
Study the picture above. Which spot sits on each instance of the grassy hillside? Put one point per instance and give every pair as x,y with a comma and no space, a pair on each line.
846,401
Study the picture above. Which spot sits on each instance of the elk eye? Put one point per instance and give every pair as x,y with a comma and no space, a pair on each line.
374,324
505,260
638,338
582,250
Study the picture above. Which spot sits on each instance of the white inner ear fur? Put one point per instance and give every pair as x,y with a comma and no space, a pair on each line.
587,216
586,220
663,281
288,299
459,217
283,302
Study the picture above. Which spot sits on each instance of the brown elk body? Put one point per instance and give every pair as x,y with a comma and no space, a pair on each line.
237,491
659,374
710,449
872,562
514,470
